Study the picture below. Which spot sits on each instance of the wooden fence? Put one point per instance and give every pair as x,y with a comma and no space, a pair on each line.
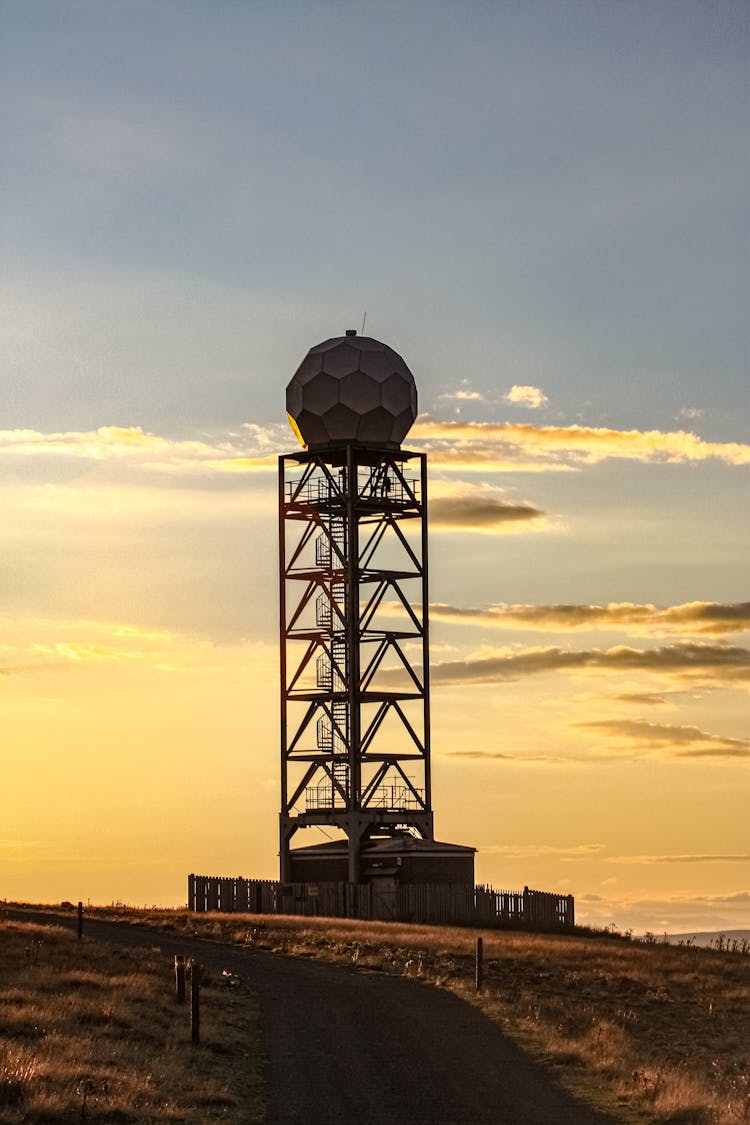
435,904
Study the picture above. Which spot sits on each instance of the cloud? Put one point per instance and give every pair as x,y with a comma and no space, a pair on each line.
679,741
532,397
462,457
247,452
478,513
690,661
57,644
499,756
464,396
577,758
42,644
464,506
640,698
677,914
83,651
692,618
474,446
534,851
648,859
489,446
637,737
464,393
689,414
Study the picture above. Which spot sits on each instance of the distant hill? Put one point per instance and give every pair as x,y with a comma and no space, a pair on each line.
710,937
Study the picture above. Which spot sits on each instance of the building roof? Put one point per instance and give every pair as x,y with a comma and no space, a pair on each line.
388,846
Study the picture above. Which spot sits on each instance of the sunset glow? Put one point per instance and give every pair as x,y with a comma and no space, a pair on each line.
561,262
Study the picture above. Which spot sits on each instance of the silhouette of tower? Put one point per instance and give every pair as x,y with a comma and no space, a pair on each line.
355,706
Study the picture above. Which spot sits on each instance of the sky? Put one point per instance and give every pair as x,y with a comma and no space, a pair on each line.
543,207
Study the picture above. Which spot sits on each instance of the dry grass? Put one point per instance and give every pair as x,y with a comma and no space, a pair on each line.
660,1032
92,1033
655,1032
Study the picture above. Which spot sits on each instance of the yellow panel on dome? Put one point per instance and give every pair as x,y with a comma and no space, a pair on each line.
297,434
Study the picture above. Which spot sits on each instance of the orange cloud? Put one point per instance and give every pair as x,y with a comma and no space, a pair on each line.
689,661
40,644
688,858
640,698
694,618
475,446
518,759
678,741
131,444
485,445
535,851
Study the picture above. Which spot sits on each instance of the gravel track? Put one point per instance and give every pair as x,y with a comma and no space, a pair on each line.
345,1046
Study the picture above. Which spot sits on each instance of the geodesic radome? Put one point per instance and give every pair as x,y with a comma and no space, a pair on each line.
351,389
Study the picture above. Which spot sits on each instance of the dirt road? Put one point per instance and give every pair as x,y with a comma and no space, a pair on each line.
347,1047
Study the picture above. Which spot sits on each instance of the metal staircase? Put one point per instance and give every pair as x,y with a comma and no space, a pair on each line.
332,666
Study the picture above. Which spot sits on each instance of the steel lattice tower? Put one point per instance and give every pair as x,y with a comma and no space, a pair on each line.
354,637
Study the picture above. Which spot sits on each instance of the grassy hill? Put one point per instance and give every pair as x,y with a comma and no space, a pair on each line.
90,1032
653,1032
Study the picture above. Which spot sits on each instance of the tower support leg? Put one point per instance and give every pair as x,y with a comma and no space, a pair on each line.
354,864
286,831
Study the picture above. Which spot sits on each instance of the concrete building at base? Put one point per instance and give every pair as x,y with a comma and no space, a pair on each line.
400,859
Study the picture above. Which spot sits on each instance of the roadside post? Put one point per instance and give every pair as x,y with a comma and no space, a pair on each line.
80,920
195,1002
478,965
179,977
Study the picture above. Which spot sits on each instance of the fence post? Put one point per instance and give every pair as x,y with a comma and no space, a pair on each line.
80,920
179,977
479,965
195,1002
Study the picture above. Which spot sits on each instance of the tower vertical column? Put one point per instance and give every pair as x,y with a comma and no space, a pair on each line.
283,819
425,634
353,654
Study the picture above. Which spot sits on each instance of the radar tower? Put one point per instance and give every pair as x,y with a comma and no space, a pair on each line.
353,578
